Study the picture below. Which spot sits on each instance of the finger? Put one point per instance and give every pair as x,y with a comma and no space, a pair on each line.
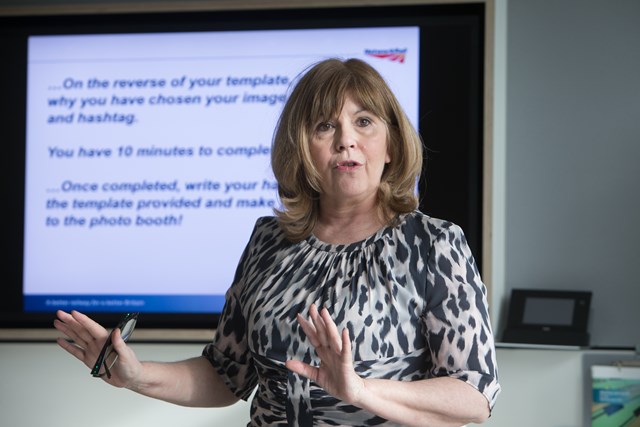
63,315
314,314
66,324
333,336
79,330
71,348
90,328
346,346
321,331
309,330
64,329
59,322
119,345
303,369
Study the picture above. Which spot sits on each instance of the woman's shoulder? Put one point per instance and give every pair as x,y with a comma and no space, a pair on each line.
267,233
420,222
422,230
265,226
266,222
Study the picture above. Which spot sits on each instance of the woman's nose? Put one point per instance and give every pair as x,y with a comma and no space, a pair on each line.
345,138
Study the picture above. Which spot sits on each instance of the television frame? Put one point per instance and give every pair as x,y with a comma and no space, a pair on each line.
472,210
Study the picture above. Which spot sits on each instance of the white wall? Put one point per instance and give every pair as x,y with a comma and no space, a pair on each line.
539,388
43,386
572,200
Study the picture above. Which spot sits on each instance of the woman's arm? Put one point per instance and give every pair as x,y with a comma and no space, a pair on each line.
442,401
191,382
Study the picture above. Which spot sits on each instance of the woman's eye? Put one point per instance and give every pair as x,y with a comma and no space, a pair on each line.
363,121
324,127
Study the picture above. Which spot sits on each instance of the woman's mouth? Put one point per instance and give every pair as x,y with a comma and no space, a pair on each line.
347,165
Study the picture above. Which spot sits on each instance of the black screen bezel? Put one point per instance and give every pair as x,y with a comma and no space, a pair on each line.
581,303
451,114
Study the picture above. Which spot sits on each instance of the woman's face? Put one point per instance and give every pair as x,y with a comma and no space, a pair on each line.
350,152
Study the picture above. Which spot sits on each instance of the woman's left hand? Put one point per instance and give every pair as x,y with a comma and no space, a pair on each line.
335,374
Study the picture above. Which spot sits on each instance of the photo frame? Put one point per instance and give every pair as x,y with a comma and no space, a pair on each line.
615,395
556,317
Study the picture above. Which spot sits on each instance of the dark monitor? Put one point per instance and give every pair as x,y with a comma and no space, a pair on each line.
554,317
137,145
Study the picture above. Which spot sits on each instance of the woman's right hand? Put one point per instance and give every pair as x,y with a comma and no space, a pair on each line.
84,341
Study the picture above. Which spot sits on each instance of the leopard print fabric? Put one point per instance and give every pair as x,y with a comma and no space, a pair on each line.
410,296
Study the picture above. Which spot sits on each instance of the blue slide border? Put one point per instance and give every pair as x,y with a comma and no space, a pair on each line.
119,303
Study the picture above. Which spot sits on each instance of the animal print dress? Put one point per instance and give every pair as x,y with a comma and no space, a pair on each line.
410,296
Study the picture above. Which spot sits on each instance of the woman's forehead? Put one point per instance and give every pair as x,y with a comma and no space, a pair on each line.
329,106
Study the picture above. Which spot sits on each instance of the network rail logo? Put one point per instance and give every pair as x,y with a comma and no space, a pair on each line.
395,55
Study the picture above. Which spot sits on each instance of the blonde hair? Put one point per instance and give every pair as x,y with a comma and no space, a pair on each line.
319,94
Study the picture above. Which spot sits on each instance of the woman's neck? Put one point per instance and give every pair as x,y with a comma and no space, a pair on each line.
344,226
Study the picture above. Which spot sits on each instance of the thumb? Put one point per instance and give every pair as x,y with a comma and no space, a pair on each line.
116,340
121,347
346,345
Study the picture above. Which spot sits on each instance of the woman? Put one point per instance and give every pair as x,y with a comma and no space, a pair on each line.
349,307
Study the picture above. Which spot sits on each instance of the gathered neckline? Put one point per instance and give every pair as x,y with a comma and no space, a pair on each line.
315,242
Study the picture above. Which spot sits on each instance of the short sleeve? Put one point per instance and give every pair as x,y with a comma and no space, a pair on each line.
229,352
456,315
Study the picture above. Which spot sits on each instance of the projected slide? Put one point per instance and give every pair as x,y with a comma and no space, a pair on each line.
147,158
